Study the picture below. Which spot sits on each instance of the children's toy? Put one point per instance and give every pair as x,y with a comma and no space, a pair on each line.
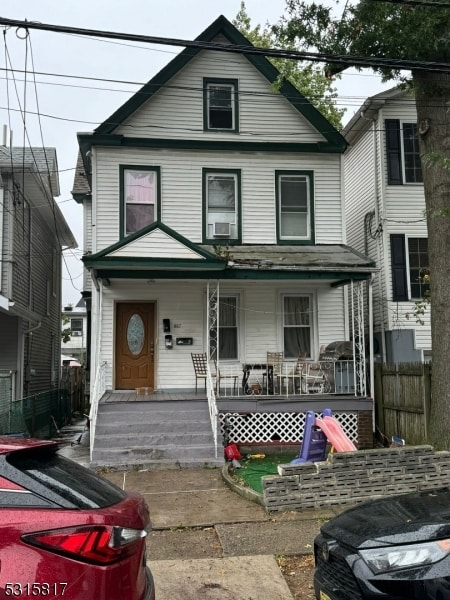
335,434
314,443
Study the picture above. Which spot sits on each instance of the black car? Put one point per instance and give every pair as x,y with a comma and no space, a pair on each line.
388,549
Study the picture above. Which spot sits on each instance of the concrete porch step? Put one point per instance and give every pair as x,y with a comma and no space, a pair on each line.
143,454
148,423
152,434
192,437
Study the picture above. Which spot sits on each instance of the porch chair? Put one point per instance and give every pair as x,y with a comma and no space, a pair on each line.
313,379
227,373
292,379
276,359
200,362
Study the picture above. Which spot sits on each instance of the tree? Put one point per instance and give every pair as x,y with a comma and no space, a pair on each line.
65,331
413,32
309,79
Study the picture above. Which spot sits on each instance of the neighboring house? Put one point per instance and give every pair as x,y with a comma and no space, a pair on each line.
33,233
216,225
385,215
74,318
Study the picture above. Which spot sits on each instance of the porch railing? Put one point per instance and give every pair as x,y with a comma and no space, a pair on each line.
287,379
213,410
98,390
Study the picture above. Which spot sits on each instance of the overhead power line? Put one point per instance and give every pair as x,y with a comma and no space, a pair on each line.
345,59
417,3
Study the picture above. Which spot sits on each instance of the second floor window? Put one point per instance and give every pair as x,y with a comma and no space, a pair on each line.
294,206
139,190
220,99
76,326
221,197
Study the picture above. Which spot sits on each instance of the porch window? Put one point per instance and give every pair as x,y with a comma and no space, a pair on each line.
139,193
297,326
221,191
294,206
228,328
220,99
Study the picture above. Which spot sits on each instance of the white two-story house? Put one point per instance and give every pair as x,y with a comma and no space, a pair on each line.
385,215
214,219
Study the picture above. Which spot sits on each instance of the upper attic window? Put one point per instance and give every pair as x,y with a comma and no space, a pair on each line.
220,105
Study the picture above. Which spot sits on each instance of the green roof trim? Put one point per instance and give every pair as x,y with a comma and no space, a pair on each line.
104,271
207,257
222,26
87,140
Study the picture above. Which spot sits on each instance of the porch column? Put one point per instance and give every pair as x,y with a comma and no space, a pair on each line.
358,332
212,321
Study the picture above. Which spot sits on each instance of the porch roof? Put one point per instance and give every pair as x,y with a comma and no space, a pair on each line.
125,260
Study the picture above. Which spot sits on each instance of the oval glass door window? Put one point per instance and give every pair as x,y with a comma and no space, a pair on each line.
135,334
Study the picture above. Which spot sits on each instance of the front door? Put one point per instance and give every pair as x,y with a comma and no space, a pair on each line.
135,345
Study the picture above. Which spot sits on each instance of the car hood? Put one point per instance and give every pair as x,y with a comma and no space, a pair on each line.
402,519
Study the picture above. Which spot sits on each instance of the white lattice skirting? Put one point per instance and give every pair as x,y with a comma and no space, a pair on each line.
264,428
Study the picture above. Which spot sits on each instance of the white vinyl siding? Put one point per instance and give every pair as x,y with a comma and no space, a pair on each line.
156,244
181,191
87,238
263,111
400,210
257,335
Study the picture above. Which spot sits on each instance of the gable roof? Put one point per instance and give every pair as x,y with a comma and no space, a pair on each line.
143,249
364,115
221,26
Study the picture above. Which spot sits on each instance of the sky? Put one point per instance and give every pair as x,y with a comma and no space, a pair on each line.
70,103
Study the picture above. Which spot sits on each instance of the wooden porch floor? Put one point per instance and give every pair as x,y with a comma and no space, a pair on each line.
237,402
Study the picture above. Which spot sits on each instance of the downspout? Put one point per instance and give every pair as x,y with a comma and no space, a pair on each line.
377,235
371,356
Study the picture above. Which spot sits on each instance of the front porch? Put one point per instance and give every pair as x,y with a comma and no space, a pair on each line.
249,421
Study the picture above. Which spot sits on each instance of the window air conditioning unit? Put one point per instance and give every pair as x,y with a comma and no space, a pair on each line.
76,333
221,229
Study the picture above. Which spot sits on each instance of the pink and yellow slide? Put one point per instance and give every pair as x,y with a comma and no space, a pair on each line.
335,434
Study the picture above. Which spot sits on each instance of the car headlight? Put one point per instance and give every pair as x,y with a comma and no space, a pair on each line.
393,558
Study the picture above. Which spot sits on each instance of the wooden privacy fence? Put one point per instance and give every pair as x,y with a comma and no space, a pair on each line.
403,398
73,380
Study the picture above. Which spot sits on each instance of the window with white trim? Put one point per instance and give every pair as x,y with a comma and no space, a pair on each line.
419,272
412,166
76,327
297,326
402,152
139,197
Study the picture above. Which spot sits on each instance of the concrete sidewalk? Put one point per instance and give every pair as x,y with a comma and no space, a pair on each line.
209,542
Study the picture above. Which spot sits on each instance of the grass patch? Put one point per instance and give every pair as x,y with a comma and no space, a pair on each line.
252,469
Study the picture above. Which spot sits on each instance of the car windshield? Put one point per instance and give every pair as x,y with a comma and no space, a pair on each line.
64,481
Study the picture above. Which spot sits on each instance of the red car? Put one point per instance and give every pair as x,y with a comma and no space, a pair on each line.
65,532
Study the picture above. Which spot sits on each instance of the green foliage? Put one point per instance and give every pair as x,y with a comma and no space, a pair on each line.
308,78
369,28
66,331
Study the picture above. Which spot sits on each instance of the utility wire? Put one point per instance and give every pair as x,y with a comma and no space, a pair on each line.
417,3
346,60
